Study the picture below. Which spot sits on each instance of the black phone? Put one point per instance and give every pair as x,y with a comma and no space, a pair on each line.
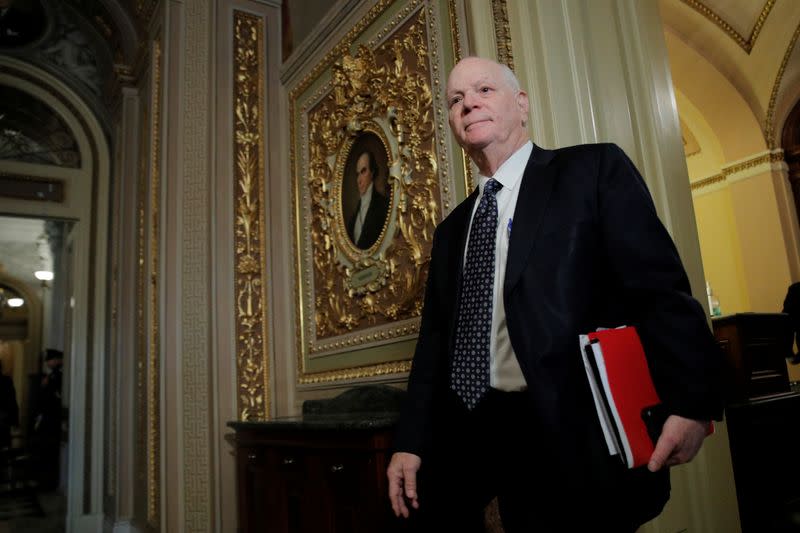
654,417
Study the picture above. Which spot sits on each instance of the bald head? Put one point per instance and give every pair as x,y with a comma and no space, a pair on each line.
488,112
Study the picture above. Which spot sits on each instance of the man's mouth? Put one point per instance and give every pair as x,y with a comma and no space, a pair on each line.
467,128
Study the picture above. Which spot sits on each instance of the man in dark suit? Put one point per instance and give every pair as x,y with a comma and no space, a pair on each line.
365,225
551,245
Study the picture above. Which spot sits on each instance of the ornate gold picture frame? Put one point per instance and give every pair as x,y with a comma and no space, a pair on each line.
374,171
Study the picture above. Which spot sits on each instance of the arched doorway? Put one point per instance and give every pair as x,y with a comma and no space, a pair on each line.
70,182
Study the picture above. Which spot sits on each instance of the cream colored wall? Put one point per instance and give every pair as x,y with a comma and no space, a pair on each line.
765,260
747,230
723,107
721,249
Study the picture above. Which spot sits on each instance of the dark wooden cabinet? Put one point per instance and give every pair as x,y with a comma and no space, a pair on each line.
756,346
764,436
320,475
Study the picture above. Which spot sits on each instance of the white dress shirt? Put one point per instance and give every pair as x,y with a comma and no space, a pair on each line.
505,372
366,198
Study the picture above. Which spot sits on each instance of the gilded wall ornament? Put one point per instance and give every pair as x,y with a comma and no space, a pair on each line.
154,348
379,104
374,105
252,358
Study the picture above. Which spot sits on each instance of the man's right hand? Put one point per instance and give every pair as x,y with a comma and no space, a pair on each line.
402,474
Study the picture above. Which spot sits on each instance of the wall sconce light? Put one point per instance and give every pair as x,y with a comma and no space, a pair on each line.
9,298
43,275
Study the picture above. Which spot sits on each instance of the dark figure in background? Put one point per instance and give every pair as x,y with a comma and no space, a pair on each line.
47,429
791,306
9,411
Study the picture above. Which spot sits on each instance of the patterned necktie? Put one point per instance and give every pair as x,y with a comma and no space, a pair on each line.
469,377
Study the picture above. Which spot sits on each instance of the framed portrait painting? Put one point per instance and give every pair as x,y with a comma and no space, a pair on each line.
374,170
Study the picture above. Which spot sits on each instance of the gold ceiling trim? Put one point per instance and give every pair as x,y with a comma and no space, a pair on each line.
769,126
769,157
746,44
706,182
154,360
252,347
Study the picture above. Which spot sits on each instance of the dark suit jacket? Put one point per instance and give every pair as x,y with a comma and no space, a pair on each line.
586,250
373,221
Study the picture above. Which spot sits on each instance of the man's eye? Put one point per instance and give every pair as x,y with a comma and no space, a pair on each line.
485,89
454,100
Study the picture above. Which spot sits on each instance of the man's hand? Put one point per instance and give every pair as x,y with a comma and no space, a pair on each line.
402,474
679,442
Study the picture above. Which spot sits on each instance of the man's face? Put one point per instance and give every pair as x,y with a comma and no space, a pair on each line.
484,110
363,173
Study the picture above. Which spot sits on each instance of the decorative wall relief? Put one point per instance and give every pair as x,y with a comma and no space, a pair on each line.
369,128
252,357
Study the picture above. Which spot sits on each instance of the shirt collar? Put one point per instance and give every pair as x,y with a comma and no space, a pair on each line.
511,170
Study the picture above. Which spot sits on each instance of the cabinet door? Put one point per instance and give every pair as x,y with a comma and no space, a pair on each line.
254,504
295,490
349,486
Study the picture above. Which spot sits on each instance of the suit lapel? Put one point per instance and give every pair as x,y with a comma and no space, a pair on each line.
537,184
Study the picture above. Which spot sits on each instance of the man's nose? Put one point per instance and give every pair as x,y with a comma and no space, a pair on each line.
468,102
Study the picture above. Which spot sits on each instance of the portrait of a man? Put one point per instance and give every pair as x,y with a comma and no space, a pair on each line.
365,222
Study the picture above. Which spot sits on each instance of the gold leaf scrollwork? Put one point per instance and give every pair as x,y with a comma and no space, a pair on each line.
385,93
251,358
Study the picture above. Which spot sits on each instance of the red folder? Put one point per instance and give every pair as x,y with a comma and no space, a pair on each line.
629,396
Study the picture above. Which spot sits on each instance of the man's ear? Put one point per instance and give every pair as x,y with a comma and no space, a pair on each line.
522,103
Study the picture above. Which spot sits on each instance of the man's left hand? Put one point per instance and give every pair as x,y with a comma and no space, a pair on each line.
679,442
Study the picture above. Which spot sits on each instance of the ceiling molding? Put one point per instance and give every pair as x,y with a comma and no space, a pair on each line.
769,126
745,44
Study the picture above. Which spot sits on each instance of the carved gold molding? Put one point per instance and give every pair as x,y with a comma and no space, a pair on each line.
457,54
252,354
388,89
385,95
154,362
503,33
455,30
141,299
707,182
769,126
769,157
383,369
145,10
745,44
